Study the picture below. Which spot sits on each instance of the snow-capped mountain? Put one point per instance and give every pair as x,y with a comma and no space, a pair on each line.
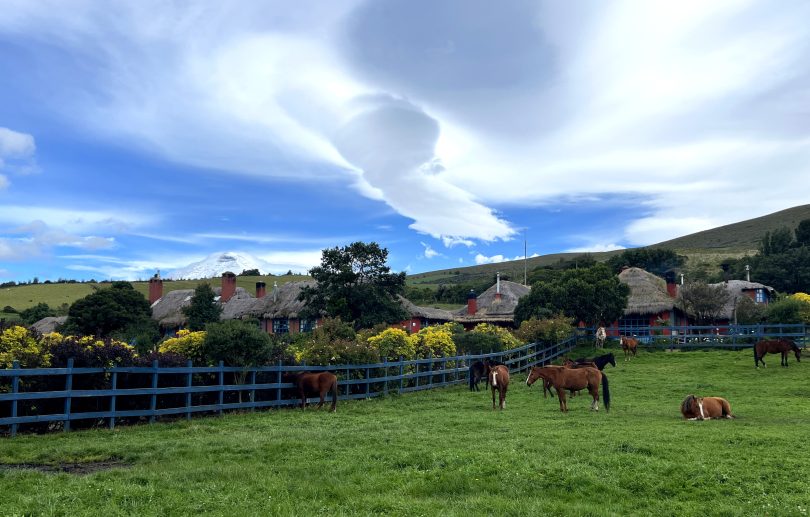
217,263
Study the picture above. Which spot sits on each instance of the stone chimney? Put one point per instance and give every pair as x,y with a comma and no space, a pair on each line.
472,303
498,286
261,289
672,287
155,288
228,286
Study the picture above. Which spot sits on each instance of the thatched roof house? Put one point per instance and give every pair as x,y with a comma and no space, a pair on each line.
282,301
48,324
648,293
495,305
168,309
736,289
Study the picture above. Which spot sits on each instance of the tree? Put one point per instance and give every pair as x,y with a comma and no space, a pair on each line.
117,309
203,309
787,310
654,260
33,314
355,284
250,272
803,233
592,295
704,301
776,242
236,343
748,312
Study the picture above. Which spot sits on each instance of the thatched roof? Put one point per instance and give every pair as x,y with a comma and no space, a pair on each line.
49,324
735,289
491,310
648,293
168,310
282,301
430,313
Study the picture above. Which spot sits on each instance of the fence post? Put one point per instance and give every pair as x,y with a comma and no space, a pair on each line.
221,392
15,388
189,383
153,400
416,372
278,382
253,391
114,386
68,388
444,367
368,382
385,376
401,373
430,369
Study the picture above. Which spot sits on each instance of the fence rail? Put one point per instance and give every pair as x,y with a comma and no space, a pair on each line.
710,336
45,399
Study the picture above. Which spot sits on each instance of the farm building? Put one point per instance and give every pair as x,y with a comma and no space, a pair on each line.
496,305
737,289
651,300
421,317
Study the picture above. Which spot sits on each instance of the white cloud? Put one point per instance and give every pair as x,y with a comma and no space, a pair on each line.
483,259
279,262
430,252
596,248
449,242
3,179
16,145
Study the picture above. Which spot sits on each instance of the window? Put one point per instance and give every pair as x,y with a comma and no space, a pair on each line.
634,324
308,325
281,326
760,296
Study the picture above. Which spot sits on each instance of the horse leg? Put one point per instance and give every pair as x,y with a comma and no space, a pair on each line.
303,398
493,396
502,396
561,396
323,395
594,391
784,359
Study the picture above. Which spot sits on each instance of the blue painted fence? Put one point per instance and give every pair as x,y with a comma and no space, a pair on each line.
93,394
711,336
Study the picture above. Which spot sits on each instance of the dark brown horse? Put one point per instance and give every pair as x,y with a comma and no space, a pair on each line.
499,379
478,371
776,346
705,408
573,379
309,383
629,346
600,361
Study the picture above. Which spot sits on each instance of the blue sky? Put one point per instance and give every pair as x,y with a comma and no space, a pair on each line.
146,135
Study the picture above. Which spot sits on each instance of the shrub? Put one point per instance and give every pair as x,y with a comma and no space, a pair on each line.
393,343
187,344
18,344
506,338
549,330
804,312
786,310
477,342
435,341
236,343
748,312
33,314
89,351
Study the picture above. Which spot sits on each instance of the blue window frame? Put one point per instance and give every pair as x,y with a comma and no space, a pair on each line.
281,326
760,296
308,325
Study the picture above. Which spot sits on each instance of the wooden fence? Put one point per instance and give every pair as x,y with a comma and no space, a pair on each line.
46,399
710,336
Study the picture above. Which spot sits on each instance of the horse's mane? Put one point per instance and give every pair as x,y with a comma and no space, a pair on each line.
686,405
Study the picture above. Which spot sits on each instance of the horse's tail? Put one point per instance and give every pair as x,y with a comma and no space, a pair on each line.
334,394
605,392
472,379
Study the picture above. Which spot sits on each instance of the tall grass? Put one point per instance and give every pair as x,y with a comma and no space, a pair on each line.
447,452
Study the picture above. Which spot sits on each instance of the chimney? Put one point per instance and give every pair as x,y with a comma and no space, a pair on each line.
261,289
747,273
228,286
472,303
498,286
155,288
672,287
275,292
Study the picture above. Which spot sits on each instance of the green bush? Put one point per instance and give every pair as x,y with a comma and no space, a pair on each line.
236,343
549,330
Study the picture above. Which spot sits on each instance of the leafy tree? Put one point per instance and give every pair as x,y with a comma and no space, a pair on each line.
355,284
8,309
550,331
591,295
654,260
117,309
747,312
33,314
803,233
775,242
203,309
704,301
250,272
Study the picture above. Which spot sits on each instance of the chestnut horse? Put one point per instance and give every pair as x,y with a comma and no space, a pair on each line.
499,379
776,346
601,336
573,379
629,345
309,383
705,408
547,386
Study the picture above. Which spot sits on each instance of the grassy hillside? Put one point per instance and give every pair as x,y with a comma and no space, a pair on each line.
446,452
24,296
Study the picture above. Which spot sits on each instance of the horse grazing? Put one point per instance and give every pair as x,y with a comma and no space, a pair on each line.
705,408
499,378
600,361
629,345
311,383
548,387
478,371
601,336
573,379
776,346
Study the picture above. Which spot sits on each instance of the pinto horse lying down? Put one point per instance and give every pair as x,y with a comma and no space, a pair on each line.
705,408
308,383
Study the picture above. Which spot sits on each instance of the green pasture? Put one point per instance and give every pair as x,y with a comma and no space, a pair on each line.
24,296
446,452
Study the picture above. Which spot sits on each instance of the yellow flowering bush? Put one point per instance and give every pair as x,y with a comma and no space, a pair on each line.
435,341
805,311
188,344
17,344
507,339
393,343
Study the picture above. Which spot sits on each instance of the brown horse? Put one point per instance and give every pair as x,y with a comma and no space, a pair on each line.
776,346
548,387
629,346
573,379
309,383
705,408
499,379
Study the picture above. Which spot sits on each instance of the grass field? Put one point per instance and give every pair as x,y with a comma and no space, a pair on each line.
446,452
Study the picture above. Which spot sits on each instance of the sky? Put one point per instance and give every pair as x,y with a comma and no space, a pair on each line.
145,135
